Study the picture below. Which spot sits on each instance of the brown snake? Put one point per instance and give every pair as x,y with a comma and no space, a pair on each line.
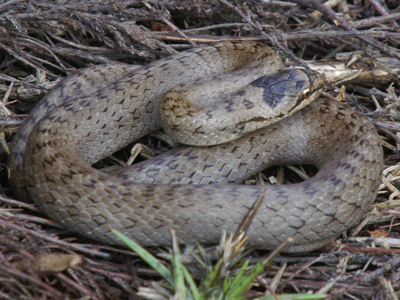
96,111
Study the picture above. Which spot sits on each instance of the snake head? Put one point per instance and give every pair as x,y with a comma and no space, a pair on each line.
276,97
217,120
290,90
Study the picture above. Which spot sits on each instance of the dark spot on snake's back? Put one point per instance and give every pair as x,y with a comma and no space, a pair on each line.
172,164
49,159
224,146
354,139
241,93
242,164
182,59
310,192
340,115
335,181
350,126
190,175
229,106
167,59
234,148
248,104
191,157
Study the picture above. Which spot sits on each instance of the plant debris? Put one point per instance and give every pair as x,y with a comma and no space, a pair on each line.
354,42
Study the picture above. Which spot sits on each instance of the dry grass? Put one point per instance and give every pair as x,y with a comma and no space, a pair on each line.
43,41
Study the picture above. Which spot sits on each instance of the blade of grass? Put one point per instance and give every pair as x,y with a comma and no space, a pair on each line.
225,286
240,274
146,256
213,274
179,279
295,297
248,279
192,285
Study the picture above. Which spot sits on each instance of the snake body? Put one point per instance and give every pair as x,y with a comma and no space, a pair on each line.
99,110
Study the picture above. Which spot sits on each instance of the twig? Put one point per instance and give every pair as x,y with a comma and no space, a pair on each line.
272,40
314,35
382,10
334,18
54,240
171,25
376,20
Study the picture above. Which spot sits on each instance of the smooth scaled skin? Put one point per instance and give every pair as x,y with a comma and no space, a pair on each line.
97,111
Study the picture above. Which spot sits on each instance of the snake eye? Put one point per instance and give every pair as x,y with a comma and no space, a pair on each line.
306,93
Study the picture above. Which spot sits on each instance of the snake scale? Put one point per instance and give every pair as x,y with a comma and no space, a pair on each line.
94,112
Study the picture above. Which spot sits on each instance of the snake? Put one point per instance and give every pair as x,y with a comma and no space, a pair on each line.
234,110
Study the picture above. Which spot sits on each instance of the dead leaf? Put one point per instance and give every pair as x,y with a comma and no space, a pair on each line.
56,262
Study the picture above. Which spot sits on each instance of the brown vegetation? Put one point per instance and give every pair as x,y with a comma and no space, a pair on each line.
43,41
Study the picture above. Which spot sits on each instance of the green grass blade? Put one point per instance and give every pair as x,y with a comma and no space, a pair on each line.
225,285
239,274
146,256
192,285
246,282
179,279
295,297
211,277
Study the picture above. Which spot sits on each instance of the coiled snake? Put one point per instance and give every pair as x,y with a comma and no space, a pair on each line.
96,111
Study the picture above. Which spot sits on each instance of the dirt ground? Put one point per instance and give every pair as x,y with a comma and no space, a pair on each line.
43,41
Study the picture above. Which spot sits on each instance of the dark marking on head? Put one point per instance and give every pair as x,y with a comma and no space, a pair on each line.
301,85
269,97
311,76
